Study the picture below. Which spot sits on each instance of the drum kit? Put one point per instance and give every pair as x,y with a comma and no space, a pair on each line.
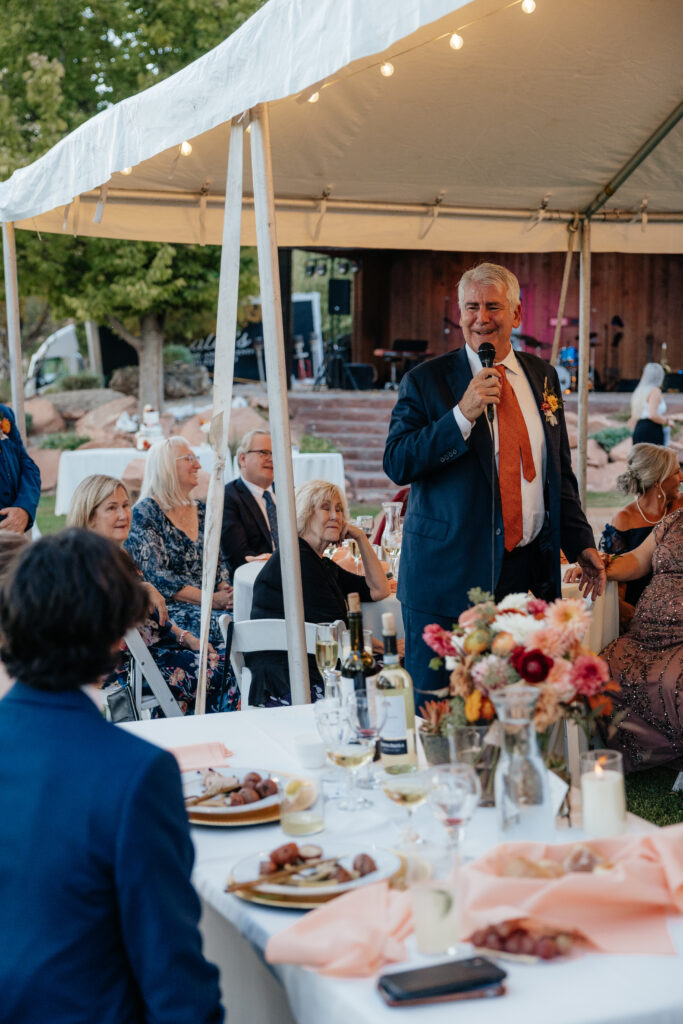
567,366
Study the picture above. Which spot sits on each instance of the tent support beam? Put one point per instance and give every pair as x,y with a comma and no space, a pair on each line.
276,379
13,325
584,352
224,368
571,232
636,160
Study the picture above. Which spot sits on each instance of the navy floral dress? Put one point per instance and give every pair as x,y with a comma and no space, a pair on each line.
170,560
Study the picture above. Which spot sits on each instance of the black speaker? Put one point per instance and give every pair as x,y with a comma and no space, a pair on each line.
359,376
339,297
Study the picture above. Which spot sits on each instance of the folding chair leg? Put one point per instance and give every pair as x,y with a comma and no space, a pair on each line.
156,681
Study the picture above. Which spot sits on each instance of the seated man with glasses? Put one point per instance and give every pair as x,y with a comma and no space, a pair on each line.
249,512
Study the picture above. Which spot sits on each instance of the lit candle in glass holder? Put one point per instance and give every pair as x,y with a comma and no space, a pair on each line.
602,793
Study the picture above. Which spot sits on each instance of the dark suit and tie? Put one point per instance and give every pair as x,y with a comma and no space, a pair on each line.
454,534
245,529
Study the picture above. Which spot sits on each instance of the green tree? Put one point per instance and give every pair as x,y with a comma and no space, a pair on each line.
60,63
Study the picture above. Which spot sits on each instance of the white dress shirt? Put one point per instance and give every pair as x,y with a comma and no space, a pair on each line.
533,505
258,493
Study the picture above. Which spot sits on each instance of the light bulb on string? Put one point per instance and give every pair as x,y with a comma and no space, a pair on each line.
456,42
528,6
387,69
185,148
314,97
126,170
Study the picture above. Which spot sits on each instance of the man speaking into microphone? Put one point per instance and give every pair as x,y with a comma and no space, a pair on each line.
493,497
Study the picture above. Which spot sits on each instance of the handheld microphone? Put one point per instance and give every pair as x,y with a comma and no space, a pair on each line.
487,353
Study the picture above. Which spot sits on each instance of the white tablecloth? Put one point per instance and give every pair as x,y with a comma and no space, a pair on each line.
591,989
245,576
604,625
76,466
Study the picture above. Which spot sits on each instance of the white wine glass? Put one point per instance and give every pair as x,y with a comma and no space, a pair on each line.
351,545
454,795
409,792
366,524
326,647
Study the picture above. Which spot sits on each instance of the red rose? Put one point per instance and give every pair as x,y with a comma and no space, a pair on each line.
531,665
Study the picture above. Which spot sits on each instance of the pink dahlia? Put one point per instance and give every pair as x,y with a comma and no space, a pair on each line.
550,640
570,616
589,675
440,640
536,607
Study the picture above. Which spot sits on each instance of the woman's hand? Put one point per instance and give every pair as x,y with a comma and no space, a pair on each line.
222,599
573,574
350,530
157,603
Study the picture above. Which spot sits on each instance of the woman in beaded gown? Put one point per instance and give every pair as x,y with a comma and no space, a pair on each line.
647,662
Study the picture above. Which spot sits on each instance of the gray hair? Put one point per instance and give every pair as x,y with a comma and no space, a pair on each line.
491,273
651,377
647,464
310,496
245,443
161,476
90,493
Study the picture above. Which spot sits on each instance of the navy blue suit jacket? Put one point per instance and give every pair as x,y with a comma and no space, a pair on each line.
19,475
97,914
454,495
244,530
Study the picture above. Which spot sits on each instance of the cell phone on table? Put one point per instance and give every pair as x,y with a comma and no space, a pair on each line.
476,978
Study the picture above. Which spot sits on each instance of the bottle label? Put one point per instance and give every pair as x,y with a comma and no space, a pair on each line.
394,737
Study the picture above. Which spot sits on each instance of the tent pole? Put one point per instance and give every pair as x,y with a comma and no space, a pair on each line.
571,230
584,351
13,326
276,379
224,366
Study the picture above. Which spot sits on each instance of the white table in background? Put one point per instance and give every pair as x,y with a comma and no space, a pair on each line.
591,989
76,466
245,577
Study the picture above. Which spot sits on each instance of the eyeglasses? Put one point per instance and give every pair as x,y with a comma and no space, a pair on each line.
260,451
190,457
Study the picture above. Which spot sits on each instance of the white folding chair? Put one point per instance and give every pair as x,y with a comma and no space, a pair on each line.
260,635
142,665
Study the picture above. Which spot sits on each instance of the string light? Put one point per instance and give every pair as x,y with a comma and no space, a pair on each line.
387,69
528,6
185,148
456,42
126,170
314,97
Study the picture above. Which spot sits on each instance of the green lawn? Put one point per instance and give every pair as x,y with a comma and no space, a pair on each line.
46,519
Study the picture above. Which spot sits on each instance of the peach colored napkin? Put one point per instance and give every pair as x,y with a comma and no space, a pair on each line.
343,559
622,910
352,936
195,756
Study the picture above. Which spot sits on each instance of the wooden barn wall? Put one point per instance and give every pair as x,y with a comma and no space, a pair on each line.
407,295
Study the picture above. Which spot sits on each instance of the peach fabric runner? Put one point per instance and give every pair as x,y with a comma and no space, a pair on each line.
622,910
352,936
195,756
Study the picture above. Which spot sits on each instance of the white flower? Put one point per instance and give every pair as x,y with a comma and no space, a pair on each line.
520,626
516,601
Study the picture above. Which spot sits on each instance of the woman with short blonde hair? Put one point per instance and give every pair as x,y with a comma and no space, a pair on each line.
322,521
648,408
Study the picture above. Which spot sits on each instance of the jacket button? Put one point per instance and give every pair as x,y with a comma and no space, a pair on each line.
498,532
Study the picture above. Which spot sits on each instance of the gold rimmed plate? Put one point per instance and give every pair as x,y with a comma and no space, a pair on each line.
216,812
305,897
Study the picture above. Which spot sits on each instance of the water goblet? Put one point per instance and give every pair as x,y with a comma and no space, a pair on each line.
454,795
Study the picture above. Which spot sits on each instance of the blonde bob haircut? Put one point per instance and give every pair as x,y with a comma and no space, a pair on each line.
310,496
90,493
646,465
161,476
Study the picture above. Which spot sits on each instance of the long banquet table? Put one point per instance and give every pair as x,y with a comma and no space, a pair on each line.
591,989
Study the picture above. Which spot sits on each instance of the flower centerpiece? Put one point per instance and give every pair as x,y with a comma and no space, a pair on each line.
522,640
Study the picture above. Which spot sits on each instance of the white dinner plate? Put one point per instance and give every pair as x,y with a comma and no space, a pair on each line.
260,812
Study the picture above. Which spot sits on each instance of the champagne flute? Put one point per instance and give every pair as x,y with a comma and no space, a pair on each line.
351,545
453,797
326,647
409,792
392,539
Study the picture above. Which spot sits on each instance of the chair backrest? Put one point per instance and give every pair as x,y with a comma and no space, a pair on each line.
243,581
261,635
143,664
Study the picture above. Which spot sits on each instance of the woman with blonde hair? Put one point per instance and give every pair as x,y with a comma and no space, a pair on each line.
653,477
648,408
102,504
167,541
321,520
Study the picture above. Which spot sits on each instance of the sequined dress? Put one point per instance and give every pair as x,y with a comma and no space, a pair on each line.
648,662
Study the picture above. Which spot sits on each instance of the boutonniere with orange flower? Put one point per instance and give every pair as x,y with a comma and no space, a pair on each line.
5,427
550,404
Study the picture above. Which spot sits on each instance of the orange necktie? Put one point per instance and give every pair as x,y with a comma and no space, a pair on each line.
514,453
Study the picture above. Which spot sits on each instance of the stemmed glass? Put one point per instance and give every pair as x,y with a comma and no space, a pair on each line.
409,792
453,796
351,545
350,733
392,538
366,524
326,647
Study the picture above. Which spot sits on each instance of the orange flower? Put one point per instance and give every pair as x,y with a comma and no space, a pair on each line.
5,425
473,706
601,704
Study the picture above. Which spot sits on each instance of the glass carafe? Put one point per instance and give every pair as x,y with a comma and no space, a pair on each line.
521,784
392,537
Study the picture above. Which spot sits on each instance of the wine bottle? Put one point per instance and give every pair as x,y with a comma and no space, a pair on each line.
359,668
394,690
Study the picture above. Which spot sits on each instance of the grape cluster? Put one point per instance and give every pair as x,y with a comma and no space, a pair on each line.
511,937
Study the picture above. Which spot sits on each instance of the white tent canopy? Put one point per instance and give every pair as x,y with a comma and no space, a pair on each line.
534,110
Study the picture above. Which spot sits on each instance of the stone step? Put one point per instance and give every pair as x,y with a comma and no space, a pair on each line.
350,428
353,466
370,480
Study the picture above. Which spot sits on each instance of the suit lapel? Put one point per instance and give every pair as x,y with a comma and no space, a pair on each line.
537,379
251,504
480,441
